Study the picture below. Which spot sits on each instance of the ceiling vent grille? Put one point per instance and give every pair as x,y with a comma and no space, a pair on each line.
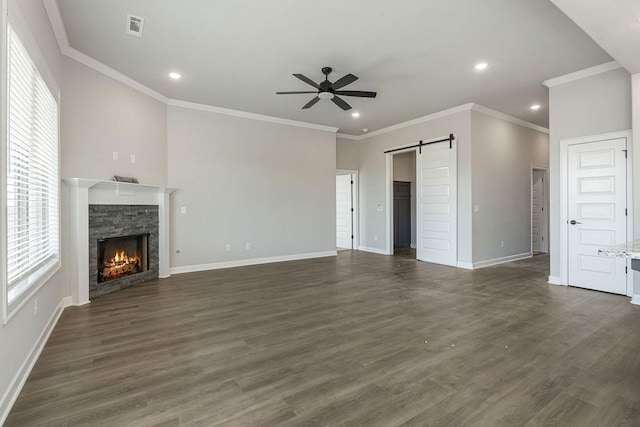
134,25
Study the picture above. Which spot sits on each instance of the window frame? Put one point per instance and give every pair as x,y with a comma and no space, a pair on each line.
11,16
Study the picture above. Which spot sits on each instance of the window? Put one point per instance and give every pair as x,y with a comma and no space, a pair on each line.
32,181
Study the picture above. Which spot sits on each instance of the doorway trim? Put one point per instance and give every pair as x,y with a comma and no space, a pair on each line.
355,217
545,202
389,195
564,199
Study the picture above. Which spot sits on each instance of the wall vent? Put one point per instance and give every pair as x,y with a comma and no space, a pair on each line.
134,25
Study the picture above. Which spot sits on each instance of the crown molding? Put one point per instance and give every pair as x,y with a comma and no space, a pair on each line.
498,115
444,113
582,74
57,24
246,115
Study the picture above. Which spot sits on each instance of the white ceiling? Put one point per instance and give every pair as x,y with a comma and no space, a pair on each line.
417,54
615,25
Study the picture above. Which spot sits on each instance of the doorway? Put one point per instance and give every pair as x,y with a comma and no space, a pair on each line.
346,209
404,206
539,210
596,204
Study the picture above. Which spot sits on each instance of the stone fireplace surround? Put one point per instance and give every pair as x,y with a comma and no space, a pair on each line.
85,192
106,221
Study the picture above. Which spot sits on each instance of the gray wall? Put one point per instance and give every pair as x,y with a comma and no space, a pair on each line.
101,115
404,169
372,175
346,154
502,154
635,101
590,106
20,335
243,181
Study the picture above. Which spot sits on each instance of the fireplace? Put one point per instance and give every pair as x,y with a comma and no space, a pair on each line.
123,247
122,256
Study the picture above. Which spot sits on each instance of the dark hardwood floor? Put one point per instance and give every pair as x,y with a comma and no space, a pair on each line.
358,340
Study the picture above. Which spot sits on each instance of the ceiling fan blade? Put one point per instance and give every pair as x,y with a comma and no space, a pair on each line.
293,93
360,93
307,80
342,82
311,103
341,103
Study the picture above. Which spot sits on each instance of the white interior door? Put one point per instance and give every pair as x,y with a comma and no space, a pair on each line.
437,204
537,211
596,209
344,212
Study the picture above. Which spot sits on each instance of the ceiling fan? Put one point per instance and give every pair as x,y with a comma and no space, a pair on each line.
328,90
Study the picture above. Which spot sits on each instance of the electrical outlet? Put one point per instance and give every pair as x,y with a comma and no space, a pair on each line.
115,155
248,246
476,208
380,207
35,309
502,244
133,158
183,210
375,237
228,247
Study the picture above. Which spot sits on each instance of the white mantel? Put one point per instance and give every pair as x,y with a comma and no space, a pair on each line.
97,192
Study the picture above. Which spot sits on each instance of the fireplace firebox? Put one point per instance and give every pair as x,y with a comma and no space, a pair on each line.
122,256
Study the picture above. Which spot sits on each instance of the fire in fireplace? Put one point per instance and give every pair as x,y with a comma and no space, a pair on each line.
122,256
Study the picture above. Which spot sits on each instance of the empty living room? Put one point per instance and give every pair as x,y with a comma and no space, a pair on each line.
353,213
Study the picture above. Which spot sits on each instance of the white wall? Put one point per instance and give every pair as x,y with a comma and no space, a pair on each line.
590,106
372,175
24,331
502,154
101,115
635,107
346,154
404,169
242,181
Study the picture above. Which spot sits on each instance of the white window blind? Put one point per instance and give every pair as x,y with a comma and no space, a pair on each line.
32,173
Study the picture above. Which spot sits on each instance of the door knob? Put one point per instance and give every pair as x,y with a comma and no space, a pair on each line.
574,222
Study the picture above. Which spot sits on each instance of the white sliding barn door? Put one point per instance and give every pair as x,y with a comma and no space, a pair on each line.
597,202
437,213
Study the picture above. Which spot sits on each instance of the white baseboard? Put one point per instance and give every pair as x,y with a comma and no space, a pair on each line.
496,261
555,280
414,246
246,262
12,392
635,300
373,250
465,265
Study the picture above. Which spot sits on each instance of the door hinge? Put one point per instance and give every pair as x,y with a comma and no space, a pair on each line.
625,153
626,270
625,212
351,209
351,182
352,236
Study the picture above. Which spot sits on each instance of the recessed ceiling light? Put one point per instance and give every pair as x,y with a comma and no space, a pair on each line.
365,130
481,66
356,114
535,107
175,76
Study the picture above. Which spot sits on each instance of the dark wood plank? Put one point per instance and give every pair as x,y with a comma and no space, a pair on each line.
361,339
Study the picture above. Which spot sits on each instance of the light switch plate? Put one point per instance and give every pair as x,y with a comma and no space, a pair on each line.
183,210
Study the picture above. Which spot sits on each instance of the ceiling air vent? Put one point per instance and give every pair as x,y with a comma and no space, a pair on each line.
134,25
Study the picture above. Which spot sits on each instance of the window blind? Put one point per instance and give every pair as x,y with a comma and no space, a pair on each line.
32,172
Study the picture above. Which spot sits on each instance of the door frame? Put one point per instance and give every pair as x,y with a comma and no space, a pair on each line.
564,198
389,196
545,202
355,222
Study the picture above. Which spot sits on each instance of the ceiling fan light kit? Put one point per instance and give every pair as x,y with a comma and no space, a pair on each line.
328,90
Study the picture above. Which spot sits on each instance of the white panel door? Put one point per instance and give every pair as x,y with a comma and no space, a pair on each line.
537,215
597,202
437,215
344,214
